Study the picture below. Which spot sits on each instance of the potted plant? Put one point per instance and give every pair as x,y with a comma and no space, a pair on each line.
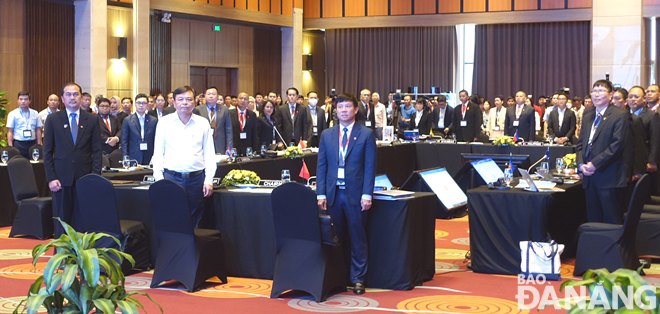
240,177
80,278
601,285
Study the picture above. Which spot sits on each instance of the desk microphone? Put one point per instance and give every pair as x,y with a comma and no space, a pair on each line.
280,135
536,163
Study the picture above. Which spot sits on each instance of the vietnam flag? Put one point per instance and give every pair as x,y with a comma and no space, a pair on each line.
301,144
304,172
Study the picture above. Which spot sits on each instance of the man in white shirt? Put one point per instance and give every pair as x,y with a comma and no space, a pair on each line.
23,126
184,151
381,115
317,119
53,103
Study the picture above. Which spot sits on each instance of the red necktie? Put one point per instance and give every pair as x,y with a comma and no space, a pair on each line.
106,123
241,119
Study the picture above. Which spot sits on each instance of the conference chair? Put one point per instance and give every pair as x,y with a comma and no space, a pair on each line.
116,158
34,216
303,262
41,151
11,151
648,236
98,213
612,246
187,255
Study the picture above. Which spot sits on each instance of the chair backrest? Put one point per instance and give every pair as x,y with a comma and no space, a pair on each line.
116,158
639,195
295,213
40,148
13,151
21,177
169,206
98,207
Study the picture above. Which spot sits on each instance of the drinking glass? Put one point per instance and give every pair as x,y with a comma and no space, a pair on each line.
508,175
286,175
5,156
234,153
544,168
35,154
559,164
264,148
126,163
248,151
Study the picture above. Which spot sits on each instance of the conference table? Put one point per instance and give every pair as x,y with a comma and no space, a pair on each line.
397,161
400,233
500,219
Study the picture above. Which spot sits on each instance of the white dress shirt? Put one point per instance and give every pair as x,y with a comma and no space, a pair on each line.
43,114
381,115
418,117
184,147
20,121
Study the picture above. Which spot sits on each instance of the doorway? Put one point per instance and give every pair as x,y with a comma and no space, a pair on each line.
225,79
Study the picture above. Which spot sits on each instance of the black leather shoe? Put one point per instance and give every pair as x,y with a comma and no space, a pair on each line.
358,288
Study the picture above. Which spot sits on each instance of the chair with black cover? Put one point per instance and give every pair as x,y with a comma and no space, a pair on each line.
34,216
185,254
40,148
11,151
612,246
98,211
116,158
648,236
303,262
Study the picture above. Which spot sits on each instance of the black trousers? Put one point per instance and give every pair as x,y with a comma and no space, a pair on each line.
24,148
350,219
194,190
604,204
65,206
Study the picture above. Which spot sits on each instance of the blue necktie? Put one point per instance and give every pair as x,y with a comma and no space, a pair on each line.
344,138
74,128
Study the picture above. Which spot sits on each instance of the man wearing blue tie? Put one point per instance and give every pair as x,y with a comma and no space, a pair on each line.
138,133
348,148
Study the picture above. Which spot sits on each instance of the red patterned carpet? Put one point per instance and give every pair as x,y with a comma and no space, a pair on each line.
454,289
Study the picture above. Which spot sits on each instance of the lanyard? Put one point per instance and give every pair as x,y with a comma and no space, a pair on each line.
27,120
343,150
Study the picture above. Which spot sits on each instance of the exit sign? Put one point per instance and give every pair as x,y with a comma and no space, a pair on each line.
216,28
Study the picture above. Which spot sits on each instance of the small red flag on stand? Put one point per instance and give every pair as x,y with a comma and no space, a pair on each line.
304,172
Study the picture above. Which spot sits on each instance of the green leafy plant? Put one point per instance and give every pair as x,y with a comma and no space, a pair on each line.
240,177
504,141
569,161
293,152
626,281
79,278
3,115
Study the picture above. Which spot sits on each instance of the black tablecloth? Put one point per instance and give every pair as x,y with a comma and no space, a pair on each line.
499,220
441,155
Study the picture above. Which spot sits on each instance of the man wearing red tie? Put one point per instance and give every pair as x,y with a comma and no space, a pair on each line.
109,126
466,123
244,126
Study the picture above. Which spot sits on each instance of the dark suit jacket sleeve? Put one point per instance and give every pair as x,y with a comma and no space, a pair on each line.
579,150
306,123
322,165
97,146
572,120
479,121
619,130
255,134
639,151
124,139
309,127
369,164
119,125
551,123
532,126
507,121
229,136
49,147
654,141
411,125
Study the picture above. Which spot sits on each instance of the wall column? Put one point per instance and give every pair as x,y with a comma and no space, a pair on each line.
141,63
617,42
12,43
292,42
91,31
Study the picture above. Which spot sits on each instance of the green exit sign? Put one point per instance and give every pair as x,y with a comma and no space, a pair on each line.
216,28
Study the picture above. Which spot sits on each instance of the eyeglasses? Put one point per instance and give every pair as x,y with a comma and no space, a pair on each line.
599,91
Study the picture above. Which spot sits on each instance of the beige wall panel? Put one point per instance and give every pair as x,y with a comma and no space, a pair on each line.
180,41
202,42
246,60
180,75
226,47
11,49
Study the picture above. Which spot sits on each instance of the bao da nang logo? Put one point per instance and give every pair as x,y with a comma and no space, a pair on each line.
535,292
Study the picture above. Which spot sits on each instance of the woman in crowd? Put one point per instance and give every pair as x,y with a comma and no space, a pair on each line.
421,119
496,117
485,114
267,121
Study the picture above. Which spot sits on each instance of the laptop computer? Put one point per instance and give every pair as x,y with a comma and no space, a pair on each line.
531,186
383,181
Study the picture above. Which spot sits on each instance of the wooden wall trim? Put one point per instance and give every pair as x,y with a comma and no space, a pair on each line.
651,10
451,19
226,13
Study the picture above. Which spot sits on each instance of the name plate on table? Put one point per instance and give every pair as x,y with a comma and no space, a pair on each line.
243,159
148,180
533,144
270,183
447,141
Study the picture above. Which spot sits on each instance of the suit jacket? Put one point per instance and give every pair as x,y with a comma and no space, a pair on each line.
166,111
321,124
131,138
65,161
250,128
449,116
567,126
361,115
360,169
121,116
424,125
607,146
265,131
223,126
115,127
635,155
472,116
526,122
651,122
287,126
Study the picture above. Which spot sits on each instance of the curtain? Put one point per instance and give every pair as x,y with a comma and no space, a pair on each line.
537,58
384,59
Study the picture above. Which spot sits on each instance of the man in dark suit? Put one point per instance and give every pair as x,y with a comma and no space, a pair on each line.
466,123
651,122
520,118
367,113
244,124
600,156
218,116
160,109
138,133
562,122
345,182
293,123
317,121
110,127
442,114
72,149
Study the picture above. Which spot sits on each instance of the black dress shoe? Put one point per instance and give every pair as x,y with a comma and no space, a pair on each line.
358,288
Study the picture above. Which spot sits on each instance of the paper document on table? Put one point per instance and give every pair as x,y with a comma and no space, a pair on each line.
539,184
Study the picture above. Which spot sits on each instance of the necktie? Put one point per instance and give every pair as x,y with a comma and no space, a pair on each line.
344,138
599,117
212,113
463,108
107,125
142,127
241,119
74,128
293,111
518,109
